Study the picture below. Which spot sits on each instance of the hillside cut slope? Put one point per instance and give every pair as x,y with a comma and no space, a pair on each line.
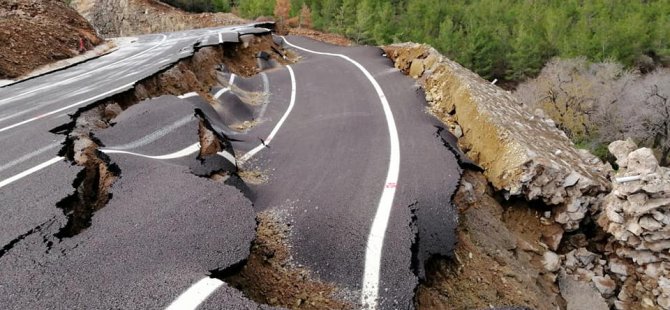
37,32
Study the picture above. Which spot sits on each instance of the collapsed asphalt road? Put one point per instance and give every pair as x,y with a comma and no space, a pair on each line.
341,147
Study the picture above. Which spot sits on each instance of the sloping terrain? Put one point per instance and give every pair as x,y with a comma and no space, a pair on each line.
37,32
114,18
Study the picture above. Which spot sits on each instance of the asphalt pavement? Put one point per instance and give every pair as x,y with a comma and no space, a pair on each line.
349,152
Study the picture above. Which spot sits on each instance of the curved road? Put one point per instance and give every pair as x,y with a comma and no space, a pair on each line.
350,153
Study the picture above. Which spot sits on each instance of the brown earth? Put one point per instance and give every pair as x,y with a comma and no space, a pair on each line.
270,278
115,18
498,258
38,32
331,38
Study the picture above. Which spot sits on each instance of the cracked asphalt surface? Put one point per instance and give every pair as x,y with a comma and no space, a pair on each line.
167,224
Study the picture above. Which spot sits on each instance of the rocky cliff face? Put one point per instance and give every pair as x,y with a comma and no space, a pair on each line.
522,154
114,18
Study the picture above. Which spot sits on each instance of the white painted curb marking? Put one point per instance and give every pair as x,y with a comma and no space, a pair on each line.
373,253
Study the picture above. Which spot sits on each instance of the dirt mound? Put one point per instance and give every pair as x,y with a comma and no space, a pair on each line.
37,32
114,18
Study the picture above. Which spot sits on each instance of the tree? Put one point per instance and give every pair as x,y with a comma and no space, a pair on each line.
281,13
305,16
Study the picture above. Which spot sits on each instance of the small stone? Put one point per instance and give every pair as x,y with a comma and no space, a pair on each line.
642,161
584,256
456,130
620,150
649,223
664,302
605,285
634,228
571,180
618,267
551,261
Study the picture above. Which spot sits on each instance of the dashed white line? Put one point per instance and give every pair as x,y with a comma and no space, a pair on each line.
373,253
30,171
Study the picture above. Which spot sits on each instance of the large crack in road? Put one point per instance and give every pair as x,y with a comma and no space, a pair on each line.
167,196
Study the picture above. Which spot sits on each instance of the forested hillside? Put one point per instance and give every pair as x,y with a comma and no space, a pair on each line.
503,39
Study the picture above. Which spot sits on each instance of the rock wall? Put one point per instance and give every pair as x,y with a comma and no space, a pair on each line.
522,154
637,215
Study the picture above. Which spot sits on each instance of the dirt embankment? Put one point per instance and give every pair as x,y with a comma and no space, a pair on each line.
38,32
115,18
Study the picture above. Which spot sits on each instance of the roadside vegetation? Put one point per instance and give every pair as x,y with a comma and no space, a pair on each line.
597,68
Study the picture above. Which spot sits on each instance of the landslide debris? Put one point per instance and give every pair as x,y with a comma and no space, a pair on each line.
521,154
269,277
34,33
115,18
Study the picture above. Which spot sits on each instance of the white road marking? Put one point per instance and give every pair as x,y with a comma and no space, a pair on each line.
232,79
181,153
155,135
188,95
191,149
274,131
221,92
196,294
4,101
30,171
373,253
28,156
220,38
199,291
65,108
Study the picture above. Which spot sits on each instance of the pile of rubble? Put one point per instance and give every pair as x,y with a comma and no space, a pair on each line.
523,155
631,267
637,214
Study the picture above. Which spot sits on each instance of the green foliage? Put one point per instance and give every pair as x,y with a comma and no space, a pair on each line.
255,8
507,39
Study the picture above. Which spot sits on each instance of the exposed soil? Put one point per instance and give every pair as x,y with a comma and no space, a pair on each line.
115,18
268,277
331,38
196,73
498,258
34,33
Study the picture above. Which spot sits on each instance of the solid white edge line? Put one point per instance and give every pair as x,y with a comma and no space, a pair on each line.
65,108
196,294
274,131
85,74
232,79
373,253
30,171
199,291
220,38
